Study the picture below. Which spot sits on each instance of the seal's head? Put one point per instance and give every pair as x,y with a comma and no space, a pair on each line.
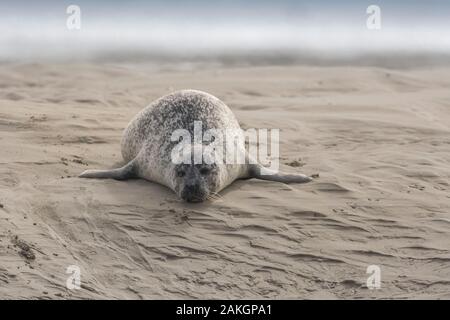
195,182
195,172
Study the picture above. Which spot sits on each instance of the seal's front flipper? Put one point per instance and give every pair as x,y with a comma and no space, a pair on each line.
259,172
126,172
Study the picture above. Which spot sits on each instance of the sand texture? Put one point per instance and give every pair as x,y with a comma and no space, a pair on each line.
379,139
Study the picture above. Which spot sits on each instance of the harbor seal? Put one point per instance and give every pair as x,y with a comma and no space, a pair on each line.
148,148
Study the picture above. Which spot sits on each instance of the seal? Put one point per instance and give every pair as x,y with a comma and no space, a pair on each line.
148,148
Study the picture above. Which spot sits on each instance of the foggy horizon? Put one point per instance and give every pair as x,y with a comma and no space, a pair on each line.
201,28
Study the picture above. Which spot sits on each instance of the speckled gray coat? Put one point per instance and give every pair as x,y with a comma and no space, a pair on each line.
148,136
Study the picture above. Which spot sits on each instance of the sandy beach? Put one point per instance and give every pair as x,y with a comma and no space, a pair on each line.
377,137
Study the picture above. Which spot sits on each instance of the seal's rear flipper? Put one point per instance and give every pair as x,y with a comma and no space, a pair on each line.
124,173
259,172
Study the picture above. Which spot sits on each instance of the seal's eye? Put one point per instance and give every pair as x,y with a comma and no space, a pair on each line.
204,171
181,173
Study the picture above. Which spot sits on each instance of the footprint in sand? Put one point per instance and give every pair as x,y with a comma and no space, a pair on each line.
13,96
330,187
25,248
9,179
253,107
296,163
81,139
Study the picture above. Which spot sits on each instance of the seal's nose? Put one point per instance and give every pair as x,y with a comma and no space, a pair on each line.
192,193
193,188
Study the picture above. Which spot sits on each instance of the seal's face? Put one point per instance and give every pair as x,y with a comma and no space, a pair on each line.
195,183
